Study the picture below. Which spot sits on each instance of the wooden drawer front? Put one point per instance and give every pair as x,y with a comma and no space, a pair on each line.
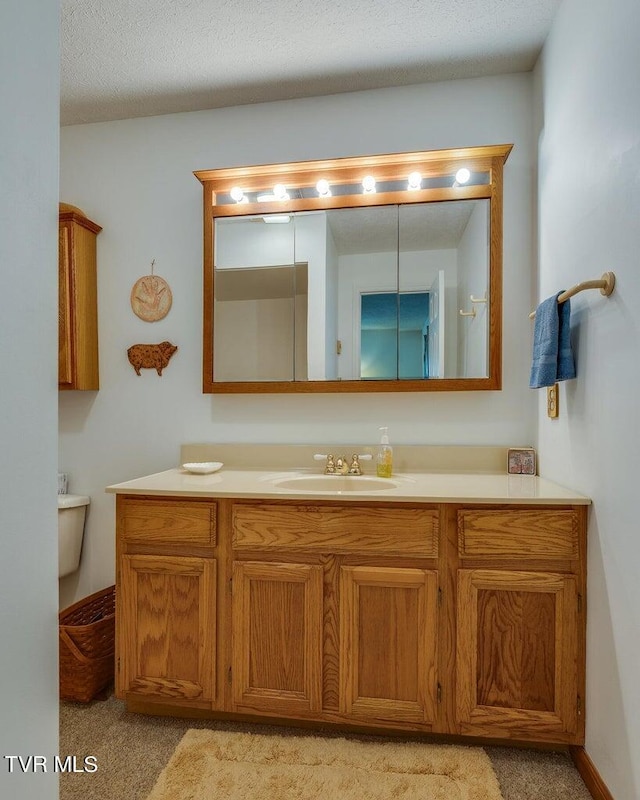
522,533
178,522
337,529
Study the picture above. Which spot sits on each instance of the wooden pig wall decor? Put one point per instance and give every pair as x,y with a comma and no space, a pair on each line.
150,356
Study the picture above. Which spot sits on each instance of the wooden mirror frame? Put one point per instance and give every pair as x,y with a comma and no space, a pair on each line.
431,164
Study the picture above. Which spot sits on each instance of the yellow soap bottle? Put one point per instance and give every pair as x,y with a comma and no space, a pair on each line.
384,460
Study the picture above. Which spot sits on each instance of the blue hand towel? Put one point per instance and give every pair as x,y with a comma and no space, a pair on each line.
552,354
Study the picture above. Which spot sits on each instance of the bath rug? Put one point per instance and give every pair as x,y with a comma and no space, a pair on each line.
221,765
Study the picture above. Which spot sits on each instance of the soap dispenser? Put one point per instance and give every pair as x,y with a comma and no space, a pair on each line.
384,460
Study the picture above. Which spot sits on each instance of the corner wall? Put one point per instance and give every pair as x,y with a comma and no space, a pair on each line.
589,218
134,177
29,103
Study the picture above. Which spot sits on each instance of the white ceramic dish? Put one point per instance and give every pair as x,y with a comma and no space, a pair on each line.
202,467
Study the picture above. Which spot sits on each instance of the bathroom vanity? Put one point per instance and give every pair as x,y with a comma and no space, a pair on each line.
449,603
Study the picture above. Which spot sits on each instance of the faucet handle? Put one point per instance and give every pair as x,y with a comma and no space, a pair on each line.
330,466
355,468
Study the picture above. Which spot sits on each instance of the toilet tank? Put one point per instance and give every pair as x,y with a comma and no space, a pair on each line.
72,509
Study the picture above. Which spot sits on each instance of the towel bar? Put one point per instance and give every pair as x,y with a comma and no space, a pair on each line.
606,284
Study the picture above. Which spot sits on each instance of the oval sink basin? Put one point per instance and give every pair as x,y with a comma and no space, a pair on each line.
335,483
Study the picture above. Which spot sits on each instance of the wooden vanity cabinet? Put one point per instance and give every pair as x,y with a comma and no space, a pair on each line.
443,618
77,300
389,644
276,659
339,626
520,623
166,601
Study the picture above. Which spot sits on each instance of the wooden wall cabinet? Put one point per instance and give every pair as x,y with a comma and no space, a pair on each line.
443,618
77,300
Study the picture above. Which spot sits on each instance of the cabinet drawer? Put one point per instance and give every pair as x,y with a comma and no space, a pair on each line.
337,529
170,522
527,533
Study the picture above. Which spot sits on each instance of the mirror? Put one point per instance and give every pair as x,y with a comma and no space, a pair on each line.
395,289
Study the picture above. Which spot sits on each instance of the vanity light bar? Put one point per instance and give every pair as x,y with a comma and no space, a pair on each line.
415,182
323,187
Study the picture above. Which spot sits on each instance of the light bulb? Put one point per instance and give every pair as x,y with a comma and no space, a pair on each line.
369,184
414,180
323,188
463,175
237,194
276,218
280,191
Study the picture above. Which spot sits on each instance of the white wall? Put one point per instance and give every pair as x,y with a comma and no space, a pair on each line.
244,242
260,339
589,211
311,248
331,319
473,280
29,98
134,177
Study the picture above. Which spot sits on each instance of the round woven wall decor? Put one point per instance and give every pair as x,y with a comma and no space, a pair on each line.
151,298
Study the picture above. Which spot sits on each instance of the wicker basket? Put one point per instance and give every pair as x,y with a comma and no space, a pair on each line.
87,634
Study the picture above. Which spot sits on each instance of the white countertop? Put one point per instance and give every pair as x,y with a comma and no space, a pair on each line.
427,487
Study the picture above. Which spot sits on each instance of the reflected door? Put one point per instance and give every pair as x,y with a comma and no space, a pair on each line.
436,336
392,335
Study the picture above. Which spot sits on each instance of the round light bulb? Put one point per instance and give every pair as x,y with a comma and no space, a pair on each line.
323,188
463,175
369,183
414,180
280,191
237,194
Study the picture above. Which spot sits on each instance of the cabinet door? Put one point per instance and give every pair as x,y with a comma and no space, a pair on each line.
517,654
388,643
277,637
65,322
77,301
166,628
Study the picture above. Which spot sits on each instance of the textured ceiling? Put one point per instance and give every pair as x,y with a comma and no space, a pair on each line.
134,58
387,229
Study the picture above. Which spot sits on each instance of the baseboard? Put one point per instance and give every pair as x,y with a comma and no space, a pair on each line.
589,774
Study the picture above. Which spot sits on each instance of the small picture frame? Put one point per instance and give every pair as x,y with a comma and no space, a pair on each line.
521,461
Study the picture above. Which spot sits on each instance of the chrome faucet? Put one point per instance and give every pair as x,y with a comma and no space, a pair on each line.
341,465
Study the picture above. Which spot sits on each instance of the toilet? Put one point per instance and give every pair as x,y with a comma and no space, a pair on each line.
72,509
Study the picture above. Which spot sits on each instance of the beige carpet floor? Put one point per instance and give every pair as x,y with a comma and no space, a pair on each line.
133,749
253,766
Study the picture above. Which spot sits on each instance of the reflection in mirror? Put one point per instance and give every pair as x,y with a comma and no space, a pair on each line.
260,302
444,248
393,329
354,294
